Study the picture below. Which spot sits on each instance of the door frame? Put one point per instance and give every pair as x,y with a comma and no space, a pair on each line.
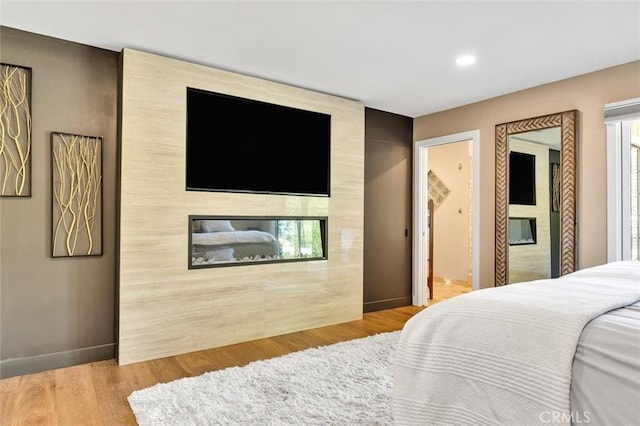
420,296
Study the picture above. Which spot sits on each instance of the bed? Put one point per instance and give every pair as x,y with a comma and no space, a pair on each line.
219,242
557,351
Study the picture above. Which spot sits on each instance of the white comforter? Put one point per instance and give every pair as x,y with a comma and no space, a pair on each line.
503,356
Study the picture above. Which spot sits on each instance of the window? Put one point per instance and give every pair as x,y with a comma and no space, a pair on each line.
623,192
635,190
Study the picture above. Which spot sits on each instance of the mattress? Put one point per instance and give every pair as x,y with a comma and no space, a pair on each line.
605,385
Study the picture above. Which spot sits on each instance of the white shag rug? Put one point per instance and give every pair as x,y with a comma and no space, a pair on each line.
347,383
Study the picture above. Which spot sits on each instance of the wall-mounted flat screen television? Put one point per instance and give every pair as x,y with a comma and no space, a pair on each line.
242,145
522,178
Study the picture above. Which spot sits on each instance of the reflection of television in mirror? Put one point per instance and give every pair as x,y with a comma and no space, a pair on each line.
242,145
522,178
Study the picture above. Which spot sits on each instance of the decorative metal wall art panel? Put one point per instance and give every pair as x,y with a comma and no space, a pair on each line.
76,195
15,131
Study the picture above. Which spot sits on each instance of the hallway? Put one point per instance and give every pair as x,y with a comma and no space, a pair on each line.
443,290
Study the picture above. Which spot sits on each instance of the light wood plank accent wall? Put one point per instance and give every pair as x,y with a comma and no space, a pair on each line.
533,261
166,309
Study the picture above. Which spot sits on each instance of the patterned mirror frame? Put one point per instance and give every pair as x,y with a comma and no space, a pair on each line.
568,188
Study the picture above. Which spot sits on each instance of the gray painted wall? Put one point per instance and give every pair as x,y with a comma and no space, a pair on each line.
58,312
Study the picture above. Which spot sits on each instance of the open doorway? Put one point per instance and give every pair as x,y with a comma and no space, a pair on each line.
454,164
449,190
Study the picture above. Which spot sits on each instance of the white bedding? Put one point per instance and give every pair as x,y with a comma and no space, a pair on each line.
220,238
503,356
605,384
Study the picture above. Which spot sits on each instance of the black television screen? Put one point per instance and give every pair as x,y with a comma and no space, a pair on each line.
522,178
242,145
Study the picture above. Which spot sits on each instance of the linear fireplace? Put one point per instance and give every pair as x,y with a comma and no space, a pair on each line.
522,230
239,240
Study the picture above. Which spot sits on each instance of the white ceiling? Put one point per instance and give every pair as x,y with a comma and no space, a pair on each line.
396,56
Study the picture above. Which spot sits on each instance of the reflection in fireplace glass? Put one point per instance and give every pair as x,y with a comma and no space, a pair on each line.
227,241
522,230
299,238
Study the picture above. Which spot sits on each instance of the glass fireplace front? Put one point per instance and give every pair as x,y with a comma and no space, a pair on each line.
240,240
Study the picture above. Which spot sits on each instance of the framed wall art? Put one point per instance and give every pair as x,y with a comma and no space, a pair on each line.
438,191
76,195
15,131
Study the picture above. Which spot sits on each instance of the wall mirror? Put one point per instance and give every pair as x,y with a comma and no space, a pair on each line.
536,198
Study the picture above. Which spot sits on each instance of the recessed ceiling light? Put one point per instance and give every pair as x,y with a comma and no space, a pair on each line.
465,60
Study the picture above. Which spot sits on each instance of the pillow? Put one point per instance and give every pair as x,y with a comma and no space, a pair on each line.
216,226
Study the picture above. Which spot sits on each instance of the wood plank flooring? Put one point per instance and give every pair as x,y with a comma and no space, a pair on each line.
96,393
443,290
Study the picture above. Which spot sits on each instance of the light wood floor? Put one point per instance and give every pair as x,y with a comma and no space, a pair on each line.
96,393
443,291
